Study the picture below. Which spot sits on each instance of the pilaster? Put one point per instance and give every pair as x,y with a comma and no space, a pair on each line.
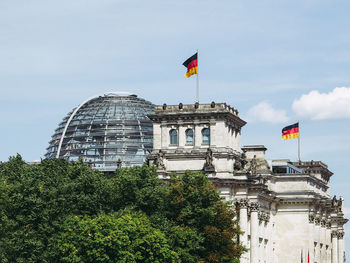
311,237
334,246
340,235
254,237
242,205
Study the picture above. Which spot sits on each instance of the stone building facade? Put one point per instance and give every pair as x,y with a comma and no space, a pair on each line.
285,208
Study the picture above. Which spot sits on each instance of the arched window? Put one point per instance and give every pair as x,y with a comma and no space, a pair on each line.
189,137
206,136
173,137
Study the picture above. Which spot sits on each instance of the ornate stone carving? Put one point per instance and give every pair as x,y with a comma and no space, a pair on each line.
334,233
317,221
262,179
90,165
209,166
340,205
159,161
323,222
340,234
253,164
261,216
240,163
242,203
254,207
334,201
264,216
311,218
119,164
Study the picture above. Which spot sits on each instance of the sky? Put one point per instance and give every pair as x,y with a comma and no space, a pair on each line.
276,61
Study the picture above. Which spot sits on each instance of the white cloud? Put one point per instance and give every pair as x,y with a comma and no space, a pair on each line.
321,106
264,112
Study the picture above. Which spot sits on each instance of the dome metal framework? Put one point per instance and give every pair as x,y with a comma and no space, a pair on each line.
104,130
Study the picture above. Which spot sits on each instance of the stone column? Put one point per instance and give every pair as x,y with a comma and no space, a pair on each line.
317,231
334,246
341,246
328,241
311,236
243,224
323,241
269,237
254,236
263,233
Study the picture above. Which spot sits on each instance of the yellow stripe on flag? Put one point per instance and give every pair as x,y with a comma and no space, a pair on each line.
290,136
191,72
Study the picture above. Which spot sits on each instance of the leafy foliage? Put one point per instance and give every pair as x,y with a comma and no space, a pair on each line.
194,202
128,237
65,212
36,199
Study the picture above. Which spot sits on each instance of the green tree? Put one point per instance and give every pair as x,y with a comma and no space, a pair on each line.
127,237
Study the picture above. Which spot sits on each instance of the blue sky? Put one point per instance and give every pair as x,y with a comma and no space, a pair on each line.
275,61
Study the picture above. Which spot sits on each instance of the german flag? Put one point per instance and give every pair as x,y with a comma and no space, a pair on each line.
291,131
192,65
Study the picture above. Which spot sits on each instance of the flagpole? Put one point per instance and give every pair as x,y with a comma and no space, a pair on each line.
197,89
299,143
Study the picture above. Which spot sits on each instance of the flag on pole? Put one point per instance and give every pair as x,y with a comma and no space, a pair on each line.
291,131
192,65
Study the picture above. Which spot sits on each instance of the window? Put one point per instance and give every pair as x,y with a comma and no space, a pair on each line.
206,136
173,137
189,137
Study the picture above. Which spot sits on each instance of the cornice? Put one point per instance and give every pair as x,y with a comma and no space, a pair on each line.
231,119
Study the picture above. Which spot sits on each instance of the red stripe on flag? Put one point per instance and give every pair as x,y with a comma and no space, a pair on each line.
192,64
291,131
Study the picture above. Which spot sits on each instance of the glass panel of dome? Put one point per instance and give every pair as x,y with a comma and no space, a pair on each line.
125,130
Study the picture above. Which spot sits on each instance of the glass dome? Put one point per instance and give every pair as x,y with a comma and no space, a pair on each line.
105,130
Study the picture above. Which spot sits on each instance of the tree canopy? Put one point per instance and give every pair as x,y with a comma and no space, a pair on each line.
57,211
